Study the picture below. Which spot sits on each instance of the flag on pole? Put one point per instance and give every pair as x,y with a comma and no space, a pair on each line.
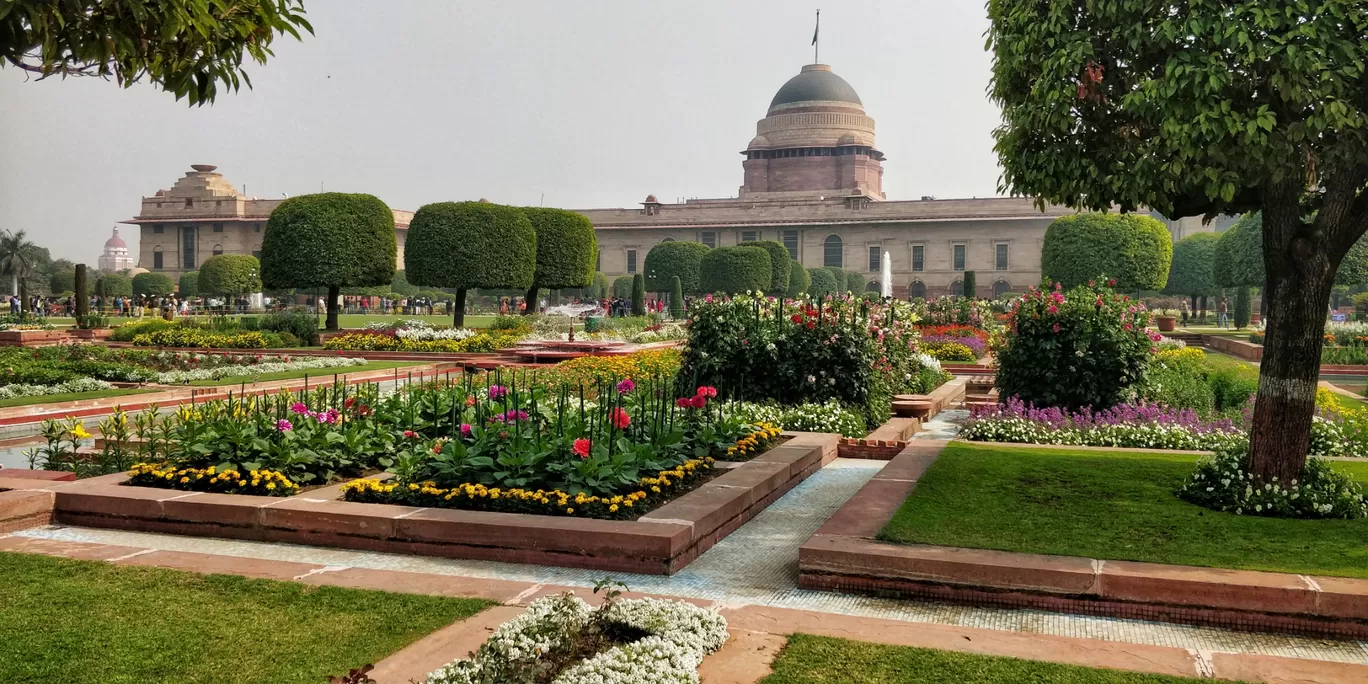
818,28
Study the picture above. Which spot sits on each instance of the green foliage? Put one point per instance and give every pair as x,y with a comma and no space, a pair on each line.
822,283
838,278
82,293
1086,347
669,259
602,288
566,248
1134,250
1238,257
471,245
622,287
638,295
1223,482
153,284
329,239
971,284
230,274
1192,271
400,285
854,282
779,264
799,279
735,269
189,284
1242,311
63,280
114,285
676,298
186,47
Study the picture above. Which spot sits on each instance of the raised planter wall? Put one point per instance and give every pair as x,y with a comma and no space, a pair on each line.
1237,348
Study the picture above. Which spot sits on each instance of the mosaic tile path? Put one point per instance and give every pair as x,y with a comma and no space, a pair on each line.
757,565
944,426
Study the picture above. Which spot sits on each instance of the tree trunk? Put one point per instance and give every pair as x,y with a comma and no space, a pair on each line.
531,300
458,317
14,282
331,321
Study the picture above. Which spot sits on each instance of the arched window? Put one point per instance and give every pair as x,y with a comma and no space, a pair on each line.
256,251
1000,288
157,263
833,252
668,239
917,290
218,249
957,288
873,286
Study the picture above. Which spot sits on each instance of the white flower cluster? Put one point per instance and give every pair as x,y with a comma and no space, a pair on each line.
220,372
830,417
1222,482
420,330
1146,436
679,636
666,332
77,385
928,361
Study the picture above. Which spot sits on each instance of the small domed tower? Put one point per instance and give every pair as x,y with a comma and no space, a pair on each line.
115,256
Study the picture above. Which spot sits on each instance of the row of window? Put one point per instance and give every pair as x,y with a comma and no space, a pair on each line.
188,254
808,152
160,228
833,252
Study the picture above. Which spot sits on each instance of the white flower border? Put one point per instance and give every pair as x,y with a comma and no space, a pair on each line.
69,387
681,634
246,370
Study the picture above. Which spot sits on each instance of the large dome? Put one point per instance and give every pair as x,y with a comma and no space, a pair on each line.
815,83
115,242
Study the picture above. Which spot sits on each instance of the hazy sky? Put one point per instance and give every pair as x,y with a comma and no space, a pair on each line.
593,103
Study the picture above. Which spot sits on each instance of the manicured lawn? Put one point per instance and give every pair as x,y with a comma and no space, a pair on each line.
1112,506
80,622
821,660
69,396
323,374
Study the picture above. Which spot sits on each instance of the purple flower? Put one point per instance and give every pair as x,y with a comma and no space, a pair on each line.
284,425
330,416
511,415
299,407
465,429
497,392
626,386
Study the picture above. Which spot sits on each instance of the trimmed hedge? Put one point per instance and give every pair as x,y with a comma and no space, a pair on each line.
157,284
622,287
735,269
114,285
779,264
854,282
669,259
566,248
467,245
638,295
329,239
1192,273
230,274
1134,250
799,280
822,282
971,284
189,284
1237,259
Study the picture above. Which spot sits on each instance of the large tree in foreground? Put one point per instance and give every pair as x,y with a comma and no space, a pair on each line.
1200,108
186,47
331,240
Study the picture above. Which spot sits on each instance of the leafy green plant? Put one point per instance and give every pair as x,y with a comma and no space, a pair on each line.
471,245
734,270
1132,249
670,259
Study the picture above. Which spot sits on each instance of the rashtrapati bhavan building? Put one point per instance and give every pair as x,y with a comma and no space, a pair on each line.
812,179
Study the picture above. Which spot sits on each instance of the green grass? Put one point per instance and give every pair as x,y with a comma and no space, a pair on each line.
70,396
811,659
80,622
323,374
1112,506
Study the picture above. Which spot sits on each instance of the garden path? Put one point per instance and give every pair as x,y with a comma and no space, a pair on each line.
757,566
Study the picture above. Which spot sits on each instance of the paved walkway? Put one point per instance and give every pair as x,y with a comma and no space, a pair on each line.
757,566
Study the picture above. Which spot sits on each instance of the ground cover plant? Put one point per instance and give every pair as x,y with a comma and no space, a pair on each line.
419,336
84,622
808,659
1112,505
842,348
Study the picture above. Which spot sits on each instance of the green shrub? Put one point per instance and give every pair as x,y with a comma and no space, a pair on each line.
1133,249
183,336
638,295
822,283
114,285
1192,273
1088,347
1242,310
779,265
971,285
157,284
669,259
127,331
622,287
566,249
799,279
734,270
949,351
229,274
854,282
189,284
1223,482
471,245
676,298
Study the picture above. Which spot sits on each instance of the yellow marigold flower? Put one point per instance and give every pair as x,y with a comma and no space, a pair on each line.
569,510
627,503
270,485
655,489
242,483
613,508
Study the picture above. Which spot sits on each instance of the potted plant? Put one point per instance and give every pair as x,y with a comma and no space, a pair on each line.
1164,316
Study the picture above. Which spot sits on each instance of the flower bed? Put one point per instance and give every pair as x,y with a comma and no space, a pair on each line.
185,337
561,639
67,387
390,340
258,365
1137,426
259,482
419,330
61,369
830,417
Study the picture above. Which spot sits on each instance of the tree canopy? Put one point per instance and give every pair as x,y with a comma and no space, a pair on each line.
189,284
186,47
1133,249
1237,260
470,245
229,274
821,282
1191,273
735,269
669,259
566,248
157,284
779,264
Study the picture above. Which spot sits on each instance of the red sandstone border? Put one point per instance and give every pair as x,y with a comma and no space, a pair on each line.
845,556
660,542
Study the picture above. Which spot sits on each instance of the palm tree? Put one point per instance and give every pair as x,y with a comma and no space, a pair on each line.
15,257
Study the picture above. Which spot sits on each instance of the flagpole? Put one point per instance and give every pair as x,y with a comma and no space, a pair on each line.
815,46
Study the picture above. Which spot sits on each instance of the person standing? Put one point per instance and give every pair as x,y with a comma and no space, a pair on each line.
1222,320
1183,309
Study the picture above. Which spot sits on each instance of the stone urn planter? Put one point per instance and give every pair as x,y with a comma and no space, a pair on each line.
1166,323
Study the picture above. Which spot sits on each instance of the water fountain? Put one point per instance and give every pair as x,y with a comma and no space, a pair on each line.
887,275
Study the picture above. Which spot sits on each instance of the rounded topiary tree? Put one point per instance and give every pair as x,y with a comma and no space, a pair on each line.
676,298
115,285
1132,249
821,282
638,295
838,278
156,284
63,280
669,259
1242,308
779,264
229,274
622,287
1192,274
189,284
1084,347
467,245
735,269
854,282
566,250
799,279
971,284
601,287
330,240
400,285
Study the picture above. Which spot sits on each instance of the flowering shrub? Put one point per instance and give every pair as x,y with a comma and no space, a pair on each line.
1088,347
68,387
957,311
258,368
261,482
186,336
944,349
588,370
1223,482
389,340
419,330
757,442
829,416
561,639
1143,426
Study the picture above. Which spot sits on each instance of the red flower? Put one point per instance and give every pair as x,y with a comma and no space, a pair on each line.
684,402
363,410
706,391
796,318
410,434
437,447
619,418
699,401
581,447
811,325
1111,283
470,400
349,403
